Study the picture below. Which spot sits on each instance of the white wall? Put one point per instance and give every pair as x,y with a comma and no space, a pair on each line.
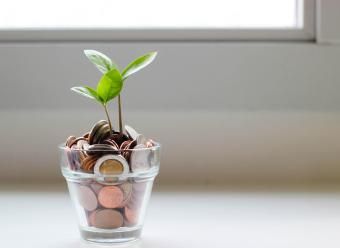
246,111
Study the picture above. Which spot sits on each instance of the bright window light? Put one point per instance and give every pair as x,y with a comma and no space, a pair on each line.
124,14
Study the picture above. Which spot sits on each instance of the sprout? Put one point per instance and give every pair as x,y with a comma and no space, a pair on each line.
111,83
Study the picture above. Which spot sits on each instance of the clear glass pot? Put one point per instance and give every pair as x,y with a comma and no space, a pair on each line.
111,198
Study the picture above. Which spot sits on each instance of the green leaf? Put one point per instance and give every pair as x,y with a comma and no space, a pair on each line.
88,92
100,60
110,85
138,64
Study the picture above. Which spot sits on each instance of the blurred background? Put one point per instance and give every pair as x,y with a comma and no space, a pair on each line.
241,92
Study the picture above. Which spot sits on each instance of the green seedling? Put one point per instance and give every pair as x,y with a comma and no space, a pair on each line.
111,83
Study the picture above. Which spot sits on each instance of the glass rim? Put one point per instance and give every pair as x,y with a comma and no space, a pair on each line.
76,175
156,145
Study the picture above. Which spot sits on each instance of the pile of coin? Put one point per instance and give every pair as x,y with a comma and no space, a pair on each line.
105,152
111,199
111,206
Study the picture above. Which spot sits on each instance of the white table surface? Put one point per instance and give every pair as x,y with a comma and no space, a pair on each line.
40,217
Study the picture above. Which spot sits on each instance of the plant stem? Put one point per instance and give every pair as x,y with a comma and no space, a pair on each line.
108,117
120,115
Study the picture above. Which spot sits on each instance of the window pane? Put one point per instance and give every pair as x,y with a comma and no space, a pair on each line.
149,14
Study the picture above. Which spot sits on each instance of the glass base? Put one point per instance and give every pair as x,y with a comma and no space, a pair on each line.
118,236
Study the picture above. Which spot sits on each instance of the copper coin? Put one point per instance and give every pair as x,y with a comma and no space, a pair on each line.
99,149
124,144
74,142
110,142
99,131
132,144
88,163
131,215
103,133
94,130
106,219
87,198
127,150
119,138
111,197
70,140
86,135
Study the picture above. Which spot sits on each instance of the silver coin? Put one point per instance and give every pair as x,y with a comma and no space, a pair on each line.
141,140
139,159
133,134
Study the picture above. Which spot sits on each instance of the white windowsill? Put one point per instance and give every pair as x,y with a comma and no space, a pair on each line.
188,218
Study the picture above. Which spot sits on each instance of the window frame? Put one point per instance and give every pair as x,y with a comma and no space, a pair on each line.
306,33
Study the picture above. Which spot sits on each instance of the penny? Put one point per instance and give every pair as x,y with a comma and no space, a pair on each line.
101,130
132,145
110,142
106,219
88,163
131,215
111,165
125,144
86,135
87,198
74,142
99,149
119,138
70,140
139,158
111,197
102,133
81,146
127,150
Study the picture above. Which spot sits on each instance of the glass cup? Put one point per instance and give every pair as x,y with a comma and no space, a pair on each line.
111,198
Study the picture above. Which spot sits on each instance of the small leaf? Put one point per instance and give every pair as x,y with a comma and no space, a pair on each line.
138,64
100,60
88,92
109,85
